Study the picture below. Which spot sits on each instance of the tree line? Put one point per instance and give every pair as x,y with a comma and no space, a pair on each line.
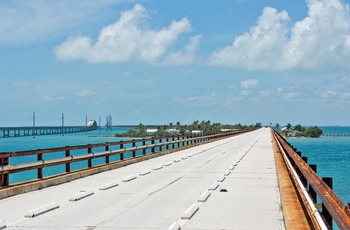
179,129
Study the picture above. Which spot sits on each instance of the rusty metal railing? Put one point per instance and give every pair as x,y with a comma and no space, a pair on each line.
93,151
332,208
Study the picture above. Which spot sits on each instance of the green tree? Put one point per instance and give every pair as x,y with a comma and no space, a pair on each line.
178,125
299,128
313,131
132,133
288,126
182,131
142,130
277,126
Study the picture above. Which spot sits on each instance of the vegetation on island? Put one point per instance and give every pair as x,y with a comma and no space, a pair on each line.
299,131
178,129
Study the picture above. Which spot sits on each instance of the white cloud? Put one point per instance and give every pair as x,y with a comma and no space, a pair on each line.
319,41
231,87
250,83
52,98
129,39
329,93
210,99
345,96
86,92
183,57
245,92
266,93
288,95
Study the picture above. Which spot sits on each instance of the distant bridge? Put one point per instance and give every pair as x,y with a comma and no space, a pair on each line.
336,135
45,130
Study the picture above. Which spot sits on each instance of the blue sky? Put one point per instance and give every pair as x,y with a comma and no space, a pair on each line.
162,61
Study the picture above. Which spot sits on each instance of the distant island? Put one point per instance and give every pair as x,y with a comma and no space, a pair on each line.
299,131
178,129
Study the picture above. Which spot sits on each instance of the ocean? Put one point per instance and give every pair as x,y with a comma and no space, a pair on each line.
331,152
15,144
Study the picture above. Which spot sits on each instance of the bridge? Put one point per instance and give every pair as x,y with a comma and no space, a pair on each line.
45,130
246,180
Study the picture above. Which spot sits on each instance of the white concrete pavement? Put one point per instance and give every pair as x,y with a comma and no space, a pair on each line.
160,198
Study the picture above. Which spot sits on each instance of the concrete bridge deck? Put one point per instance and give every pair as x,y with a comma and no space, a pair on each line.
164,195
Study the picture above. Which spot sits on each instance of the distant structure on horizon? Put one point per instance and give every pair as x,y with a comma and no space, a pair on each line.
46,130
109,122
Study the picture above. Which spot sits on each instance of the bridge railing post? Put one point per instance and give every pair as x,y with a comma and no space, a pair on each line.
89,160
107,149
326,215
121,147
67,164
312,192
160,141
302,177
134,151
4,178
40,170
152,142
143,143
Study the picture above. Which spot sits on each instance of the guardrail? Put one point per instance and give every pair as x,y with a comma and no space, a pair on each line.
95,154
312,186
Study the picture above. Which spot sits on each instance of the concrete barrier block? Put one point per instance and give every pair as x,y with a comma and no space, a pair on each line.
108,186
42,210
145,172
81,195
190,212
214,186
204,196
129,178
2,224
174,226
158,167
221,178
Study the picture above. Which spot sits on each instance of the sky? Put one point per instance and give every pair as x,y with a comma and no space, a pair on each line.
163,61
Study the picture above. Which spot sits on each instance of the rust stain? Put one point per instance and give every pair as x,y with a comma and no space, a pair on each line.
295,216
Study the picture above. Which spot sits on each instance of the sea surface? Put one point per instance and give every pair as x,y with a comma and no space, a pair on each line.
330,152
15,144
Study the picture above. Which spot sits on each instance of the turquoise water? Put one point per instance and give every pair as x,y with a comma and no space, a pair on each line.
331,154
50,141
14,144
